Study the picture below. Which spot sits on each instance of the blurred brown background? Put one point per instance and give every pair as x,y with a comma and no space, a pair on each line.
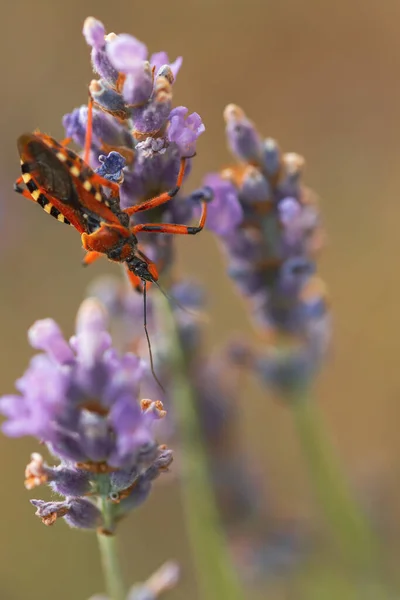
321,77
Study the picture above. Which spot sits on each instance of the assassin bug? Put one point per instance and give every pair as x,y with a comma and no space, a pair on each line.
70,191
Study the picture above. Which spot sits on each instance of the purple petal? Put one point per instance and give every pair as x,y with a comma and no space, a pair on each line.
138,86
151,117
92,339
243,138
126,53
225,212
271,157
159,59
83,514
255,187
94,32
184,130
47,336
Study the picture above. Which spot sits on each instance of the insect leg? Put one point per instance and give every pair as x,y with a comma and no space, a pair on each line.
23,192
172,228
90,257
135,281
89,126
162,198
114,187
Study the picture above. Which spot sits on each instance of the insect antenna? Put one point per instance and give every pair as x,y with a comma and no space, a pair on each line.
173,300
148,337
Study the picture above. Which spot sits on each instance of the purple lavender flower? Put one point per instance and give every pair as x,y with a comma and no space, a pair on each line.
225,213
78,512
184,130
215,380
270,231
243,139
94,33
138,85
137,91
160,59
126,53
81,398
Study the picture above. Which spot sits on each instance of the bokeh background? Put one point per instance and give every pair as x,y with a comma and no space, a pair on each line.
322,78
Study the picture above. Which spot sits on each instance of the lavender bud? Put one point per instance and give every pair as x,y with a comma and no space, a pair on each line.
66,445
151,117
271,158
138,86
225,212
165,71
83,514
295,272
243,138
286,370
123,479
159,59
248,279
138,494
254,188
94,33
108,99
102,66
292,170
69,482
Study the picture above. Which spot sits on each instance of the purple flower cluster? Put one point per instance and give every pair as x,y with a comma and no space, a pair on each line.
215,380
81,398
269,227
134,116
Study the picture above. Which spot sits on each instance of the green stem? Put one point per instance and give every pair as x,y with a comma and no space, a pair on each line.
350,526
109,557
216,576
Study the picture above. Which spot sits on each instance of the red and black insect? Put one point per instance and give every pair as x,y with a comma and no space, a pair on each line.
70,191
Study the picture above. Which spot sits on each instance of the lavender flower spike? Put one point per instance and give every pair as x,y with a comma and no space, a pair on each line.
138,119
81,398
270,230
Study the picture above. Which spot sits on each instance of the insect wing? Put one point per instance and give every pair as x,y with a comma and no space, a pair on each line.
91,201
49,182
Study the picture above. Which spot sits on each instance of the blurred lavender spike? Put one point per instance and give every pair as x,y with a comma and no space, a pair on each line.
216,379
270,231
81,398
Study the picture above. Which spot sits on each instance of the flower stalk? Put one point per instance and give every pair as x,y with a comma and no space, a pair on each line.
350,527
109,556
216,576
